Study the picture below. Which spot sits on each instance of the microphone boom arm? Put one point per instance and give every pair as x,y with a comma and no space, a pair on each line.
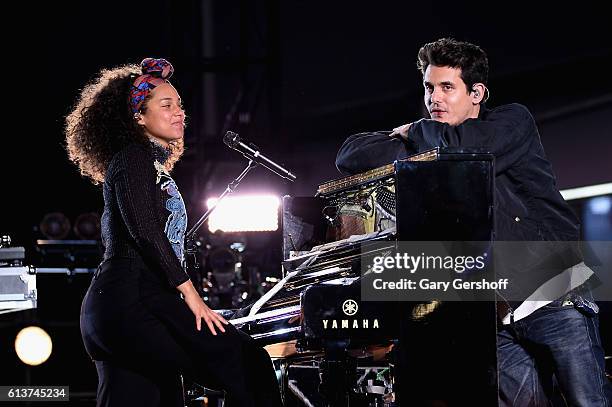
228,190
270,165
251,152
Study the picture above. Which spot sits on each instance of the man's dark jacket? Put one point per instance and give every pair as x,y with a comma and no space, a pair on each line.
528,205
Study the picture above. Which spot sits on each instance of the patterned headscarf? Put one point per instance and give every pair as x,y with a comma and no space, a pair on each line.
155,71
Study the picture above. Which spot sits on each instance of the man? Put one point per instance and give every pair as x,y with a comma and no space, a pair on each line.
561,336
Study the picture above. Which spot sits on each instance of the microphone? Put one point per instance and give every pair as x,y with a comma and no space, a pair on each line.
233,141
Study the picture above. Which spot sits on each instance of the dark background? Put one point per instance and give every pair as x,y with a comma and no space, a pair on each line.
294,77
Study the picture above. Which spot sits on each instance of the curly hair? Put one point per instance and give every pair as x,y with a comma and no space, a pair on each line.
101,123
456,54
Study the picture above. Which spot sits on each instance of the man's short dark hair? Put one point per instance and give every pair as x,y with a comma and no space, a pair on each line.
456,54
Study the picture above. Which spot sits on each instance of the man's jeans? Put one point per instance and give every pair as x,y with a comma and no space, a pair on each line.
557,349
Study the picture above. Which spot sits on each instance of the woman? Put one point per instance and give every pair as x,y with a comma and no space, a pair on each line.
141,319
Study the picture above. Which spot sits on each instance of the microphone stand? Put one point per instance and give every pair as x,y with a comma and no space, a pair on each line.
230,188
190,241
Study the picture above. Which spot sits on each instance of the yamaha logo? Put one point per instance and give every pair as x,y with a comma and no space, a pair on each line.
350,307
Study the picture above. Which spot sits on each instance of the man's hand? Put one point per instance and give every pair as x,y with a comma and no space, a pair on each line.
401,131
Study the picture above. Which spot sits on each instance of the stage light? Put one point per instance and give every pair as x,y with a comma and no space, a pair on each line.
244,213
55,226
87,226
238,246
33,345
587,192
600,205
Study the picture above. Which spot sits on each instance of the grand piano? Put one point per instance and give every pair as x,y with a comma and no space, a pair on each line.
335,349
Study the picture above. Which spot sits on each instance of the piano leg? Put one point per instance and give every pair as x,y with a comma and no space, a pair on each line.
337,376
281,365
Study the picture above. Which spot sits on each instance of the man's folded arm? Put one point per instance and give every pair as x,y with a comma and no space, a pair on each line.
365,151
507,133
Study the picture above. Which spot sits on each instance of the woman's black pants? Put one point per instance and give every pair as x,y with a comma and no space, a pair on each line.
142,336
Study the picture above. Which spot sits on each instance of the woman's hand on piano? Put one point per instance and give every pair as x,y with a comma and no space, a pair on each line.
201,310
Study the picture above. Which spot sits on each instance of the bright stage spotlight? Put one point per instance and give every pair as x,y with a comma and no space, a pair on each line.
33,345
244,213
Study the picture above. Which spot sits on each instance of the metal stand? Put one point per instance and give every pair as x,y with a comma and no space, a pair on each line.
230,188
191,245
